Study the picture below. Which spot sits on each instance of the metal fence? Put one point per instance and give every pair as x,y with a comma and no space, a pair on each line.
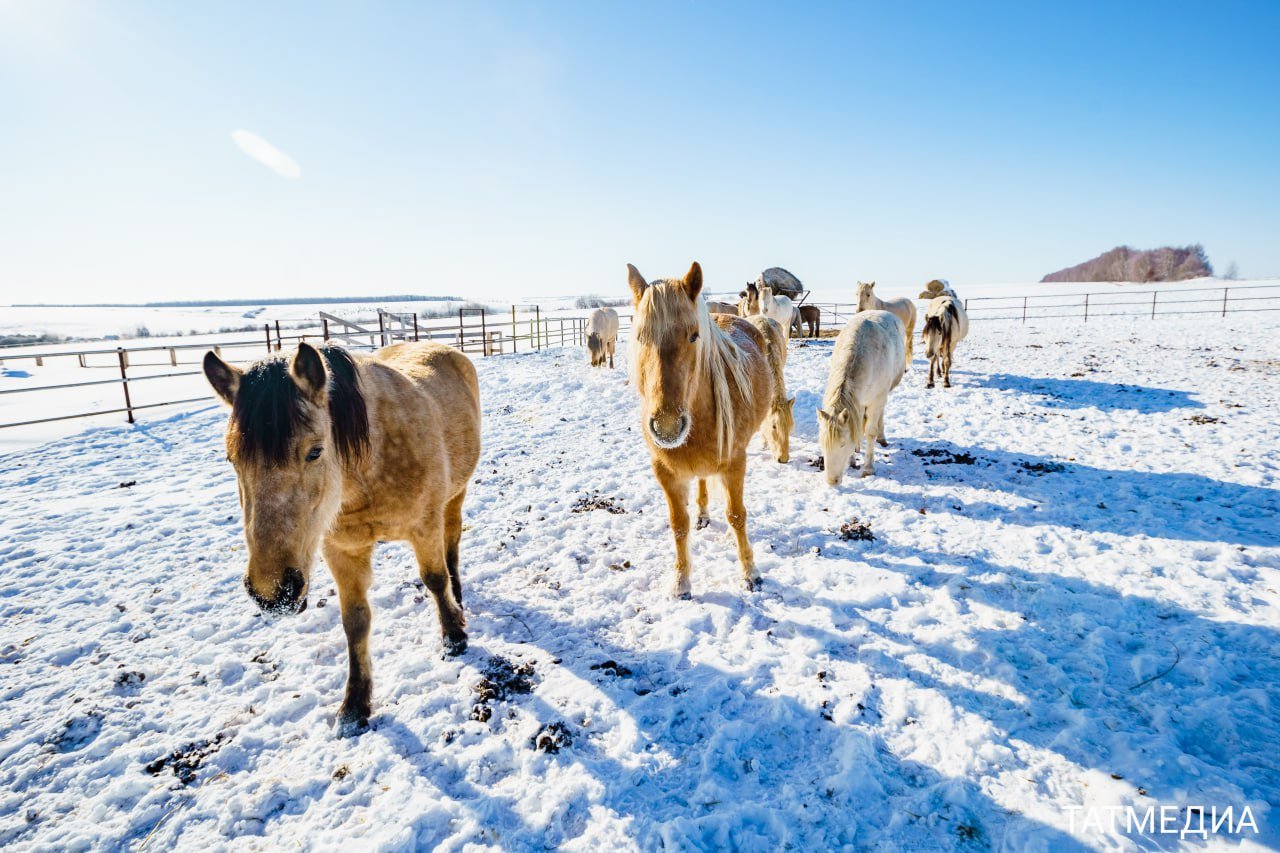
475,331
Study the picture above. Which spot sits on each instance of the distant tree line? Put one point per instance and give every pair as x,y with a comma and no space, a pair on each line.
593,301
214,303
1168,263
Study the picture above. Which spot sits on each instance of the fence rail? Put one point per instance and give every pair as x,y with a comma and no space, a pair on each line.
476,331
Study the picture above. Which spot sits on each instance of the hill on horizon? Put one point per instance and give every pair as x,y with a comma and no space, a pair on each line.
1124,263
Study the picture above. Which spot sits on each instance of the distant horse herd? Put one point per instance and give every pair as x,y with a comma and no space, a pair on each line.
336,452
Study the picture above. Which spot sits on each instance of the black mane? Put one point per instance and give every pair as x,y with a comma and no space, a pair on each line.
269,409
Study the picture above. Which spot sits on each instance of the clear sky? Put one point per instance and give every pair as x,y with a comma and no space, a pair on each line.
509,150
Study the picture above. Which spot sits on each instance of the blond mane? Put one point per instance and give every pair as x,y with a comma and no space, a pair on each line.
717,357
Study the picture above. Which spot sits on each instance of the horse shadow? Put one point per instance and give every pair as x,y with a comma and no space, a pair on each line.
1104,681
1166,505
1059,393
708,758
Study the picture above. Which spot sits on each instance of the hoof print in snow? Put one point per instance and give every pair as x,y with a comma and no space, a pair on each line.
595,500
612,668
77,732
130,678
942,456
341,773
552,738
970,832
187,760
1204,419
856,531
501,680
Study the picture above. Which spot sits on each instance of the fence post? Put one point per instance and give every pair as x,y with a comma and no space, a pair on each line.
266,330
462,333
173,356
1086,307
515,338
382,330
537,325
39,361
324,322
279,343
484,332
415,327
1224,301
1024,309
1154,293
124,381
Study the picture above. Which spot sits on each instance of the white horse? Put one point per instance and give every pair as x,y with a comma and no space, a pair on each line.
779,309
602,335
945,324
903,308
867,363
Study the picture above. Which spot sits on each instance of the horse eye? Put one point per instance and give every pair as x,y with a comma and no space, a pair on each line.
693,339
314,453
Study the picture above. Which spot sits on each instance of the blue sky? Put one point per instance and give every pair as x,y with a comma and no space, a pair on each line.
511,150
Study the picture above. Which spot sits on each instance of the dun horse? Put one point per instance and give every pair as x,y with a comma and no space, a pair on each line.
602,335
781,418
903,308
867,363
339,452
704,389
945,324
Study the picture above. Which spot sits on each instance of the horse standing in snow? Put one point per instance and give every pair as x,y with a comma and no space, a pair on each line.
946,324
602,335
811,316
867,363
781,418
780,309
338,452
704,389
902,308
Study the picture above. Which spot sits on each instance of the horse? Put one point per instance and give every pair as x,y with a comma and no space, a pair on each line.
705,388
867,363
945,324
811,316
778,424
722,307
340,452
602,336
903,308
779,309
749,301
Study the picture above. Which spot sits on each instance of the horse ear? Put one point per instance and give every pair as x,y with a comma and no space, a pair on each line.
791,404
637,283
822,415
843,417
693,281
224,378
308,370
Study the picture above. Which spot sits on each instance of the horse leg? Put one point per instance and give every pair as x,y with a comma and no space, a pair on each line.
946,369
677,491
428,540
353,574
736,513
880,440
452,535
703,519
869,436
932,360
612,344
911,331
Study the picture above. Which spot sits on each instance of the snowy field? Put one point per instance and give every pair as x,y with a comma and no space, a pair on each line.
1071,601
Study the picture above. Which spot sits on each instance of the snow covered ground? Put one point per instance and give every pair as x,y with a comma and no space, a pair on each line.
1072,600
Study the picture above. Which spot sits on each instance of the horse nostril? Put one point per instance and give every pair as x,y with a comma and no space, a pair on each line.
291,584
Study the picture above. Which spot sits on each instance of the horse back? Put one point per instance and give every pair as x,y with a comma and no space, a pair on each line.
868,360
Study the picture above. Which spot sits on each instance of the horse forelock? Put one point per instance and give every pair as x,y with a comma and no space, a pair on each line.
269,409
716,356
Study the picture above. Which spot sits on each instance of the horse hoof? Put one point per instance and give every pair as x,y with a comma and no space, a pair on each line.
454,646
929,385
867,472
352,723
703,522
753,584
882,442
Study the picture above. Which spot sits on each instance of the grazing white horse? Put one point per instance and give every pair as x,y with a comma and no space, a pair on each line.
903,308
602,335
867,363
779,309
945,324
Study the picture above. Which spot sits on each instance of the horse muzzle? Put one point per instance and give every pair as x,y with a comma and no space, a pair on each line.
289,597
670,432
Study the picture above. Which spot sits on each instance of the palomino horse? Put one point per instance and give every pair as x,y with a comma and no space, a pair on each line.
945,324
781,418
780,309
602,335
867,363
903,308
339,452
704,389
